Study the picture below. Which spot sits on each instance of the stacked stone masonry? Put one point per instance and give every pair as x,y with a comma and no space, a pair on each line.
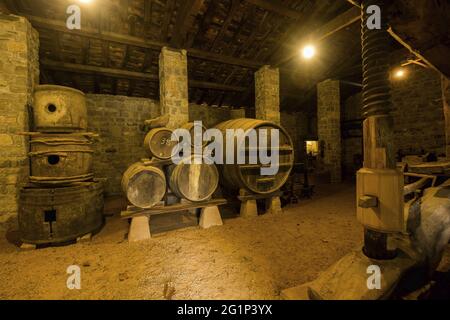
119,121
173,78
19,73
329,127
418,112
210,116
296,124
267,94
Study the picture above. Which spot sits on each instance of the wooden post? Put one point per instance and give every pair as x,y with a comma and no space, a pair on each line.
379,178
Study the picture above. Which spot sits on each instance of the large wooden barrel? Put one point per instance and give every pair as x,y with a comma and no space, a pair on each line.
144,186
60,158
158,143
193,182
55,215
248,176
191,128
59,109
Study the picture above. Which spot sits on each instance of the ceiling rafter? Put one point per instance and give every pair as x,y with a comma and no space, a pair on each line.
274,6
126,74
138,42
187,9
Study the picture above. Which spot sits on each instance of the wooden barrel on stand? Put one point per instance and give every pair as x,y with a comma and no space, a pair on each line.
195,182
158,143
248,176
144,186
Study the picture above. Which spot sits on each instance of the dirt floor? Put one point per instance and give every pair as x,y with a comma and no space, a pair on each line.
244,259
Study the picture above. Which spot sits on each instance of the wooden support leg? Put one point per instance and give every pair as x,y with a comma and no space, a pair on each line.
210,217
139,229
273,205
249,209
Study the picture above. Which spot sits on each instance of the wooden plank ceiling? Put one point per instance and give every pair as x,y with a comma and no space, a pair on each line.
117,49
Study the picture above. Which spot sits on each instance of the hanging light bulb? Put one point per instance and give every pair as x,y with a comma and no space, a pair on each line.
308,52
400,73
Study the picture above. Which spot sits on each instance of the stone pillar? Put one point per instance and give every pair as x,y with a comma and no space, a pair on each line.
267,92
173,79
237,113
19,72
446,100
329,127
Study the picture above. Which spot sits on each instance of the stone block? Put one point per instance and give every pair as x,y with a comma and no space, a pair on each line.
249,209
210,217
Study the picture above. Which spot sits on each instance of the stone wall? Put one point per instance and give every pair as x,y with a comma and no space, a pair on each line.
329,127
210,116
119,122
418,114
19,73
296,124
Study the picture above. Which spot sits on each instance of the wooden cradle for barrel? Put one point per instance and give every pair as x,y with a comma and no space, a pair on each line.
193,179
144,186
248,176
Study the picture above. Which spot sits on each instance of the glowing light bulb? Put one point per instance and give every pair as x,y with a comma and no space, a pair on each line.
308,52
85,1
400,73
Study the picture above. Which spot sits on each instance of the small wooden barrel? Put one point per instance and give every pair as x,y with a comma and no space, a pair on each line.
144,186
58,215
59,109
58,159
191,128
193,182
158,143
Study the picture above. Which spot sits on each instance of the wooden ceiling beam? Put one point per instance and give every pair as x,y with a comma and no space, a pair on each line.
138,42
126,74
235,4
342,21
182,25
274,6
355,2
